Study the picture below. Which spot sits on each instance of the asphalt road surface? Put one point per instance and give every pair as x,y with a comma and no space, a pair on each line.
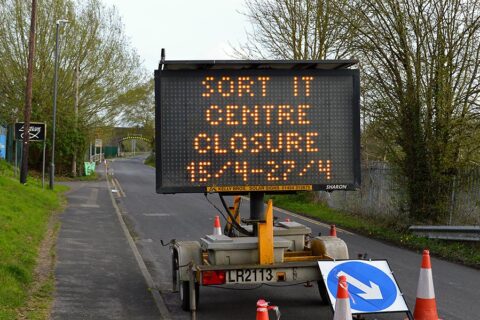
152,217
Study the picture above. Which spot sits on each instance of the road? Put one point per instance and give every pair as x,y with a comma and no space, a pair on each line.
152,217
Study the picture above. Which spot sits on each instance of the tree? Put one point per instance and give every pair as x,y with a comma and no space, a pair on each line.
93,41
138,105
139,109
295,29
420,68
420,86
28,93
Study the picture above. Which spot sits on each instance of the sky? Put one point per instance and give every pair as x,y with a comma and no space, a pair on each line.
187,29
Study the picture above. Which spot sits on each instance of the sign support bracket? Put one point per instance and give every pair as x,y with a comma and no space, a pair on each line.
409,315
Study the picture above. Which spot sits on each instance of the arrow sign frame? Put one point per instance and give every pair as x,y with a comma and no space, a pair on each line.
371,285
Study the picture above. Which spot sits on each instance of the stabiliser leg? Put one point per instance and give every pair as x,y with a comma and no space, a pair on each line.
191,291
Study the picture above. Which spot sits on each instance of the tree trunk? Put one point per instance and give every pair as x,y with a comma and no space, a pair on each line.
28,95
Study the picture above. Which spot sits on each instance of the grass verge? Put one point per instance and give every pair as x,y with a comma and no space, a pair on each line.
391,231
92,177
25,212
150,161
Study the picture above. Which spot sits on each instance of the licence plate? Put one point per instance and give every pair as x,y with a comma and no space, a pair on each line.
250,275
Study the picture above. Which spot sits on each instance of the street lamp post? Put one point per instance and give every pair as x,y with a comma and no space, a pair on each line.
55,79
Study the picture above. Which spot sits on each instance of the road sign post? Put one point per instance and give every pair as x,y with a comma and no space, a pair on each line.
98,144
16,159
43,165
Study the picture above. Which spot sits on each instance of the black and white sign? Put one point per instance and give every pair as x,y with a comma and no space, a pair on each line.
37,131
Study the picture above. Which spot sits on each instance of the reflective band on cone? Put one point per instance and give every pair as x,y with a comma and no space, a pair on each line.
217,229
342,304
425,305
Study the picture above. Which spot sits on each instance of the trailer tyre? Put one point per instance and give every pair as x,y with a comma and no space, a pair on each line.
185,296
322,289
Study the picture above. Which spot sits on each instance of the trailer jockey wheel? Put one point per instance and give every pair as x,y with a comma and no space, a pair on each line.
185,296
322,289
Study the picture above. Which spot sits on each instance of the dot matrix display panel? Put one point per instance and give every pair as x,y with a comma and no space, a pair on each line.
257,130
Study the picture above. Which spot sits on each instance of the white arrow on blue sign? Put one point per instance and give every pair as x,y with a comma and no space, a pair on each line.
371,285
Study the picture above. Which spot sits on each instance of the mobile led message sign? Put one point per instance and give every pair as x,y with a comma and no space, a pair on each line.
238,128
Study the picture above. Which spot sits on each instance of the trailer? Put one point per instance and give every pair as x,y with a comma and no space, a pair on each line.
255,128
282,252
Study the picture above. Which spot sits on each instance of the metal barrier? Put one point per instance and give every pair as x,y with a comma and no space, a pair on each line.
459,233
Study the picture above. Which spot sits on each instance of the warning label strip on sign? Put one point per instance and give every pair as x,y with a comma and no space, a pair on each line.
306,187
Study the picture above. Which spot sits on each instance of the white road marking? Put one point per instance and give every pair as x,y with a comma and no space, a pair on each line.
157,214
89,206
122,193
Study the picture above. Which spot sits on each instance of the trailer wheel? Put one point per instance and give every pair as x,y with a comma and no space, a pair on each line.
185,296
322,289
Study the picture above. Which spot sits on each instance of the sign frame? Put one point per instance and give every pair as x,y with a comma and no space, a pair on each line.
98,143
18,134
331,265
245,188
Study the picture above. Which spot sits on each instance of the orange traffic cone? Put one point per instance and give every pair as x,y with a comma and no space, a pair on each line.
217,229
342,304
333,231
425,306
262,310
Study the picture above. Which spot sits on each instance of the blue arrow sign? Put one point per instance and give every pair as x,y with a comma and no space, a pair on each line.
370,288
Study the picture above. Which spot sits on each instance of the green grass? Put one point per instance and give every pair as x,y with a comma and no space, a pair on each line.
150,161
92,177
39,308
393,231
24,214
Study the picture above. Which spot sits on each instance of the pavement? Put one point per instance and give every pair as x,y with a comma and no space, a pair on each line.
97,275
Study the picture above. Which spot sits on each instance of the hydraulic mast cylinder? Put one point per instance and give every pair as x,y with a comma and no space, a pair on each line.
257,211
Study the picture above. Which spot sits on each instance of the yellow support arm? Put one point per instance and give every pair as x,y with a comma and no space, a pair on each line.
265,237
235,210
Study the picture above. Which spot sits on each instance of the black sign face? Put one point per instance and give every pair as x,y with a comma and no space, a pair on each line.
37,131
257,130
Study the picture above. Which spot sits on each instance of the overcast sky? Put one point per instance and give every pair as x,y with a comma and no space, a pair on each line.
187,29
